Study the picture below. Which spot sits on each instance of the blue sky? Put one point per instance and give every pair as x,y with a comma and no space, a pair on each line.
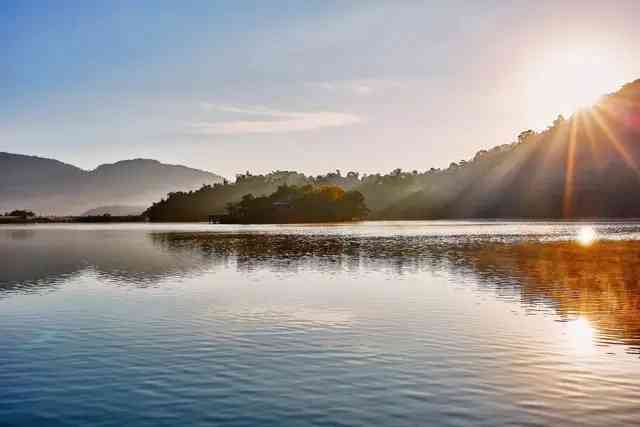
307,85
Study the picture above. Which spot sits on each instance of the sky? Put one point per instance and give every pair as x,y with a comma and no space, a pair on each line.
313,86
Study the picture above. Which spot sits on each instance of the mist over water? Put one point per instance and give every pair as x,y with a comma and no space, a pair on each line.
386,323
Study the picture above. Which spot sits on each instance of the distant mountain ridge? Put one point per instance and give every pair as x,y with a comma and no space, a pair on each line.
49,186
115,210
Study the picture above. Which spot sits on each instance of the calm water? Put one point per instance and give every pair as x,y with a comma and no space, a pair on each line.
372,324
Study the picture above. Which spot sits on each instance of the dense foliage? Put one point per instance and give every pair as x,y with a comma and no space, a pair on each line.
21,213
290,204
213,199
585,166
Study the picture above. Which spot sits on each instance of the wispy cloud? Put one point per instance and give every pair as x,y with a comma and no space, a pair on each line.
269,121
361,87
354,87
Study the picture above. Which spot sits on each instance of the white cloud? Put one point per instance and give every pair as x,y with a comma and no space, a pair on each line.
358,86
270,121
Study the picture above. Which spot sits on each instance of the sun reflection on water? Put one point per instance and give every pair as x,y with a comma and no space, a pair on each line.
586,236
581,335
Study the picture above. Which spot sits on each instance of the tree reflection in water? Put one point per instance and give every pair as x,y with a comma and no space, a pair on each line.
597,283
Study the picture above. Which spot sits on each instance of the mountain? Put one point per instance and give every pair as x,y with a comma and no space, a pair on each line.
585,166
115,210
49,186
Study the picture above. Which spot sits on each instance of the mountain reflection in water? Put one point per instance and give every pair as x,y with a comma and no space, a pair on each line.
599,282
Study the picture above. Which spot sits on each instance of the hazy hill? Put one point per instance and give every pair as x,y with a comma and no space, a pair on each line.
48,186
115,210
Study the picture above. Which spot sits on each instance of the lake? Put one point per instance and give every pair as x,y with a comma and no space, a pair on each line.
366,324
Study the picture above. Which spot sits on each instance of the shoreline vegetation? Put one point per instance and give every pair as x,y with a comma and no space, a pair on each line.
224,219
298,205
9,219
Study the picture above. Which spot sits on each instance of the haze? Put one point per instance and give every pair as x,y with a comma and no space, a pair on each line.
313,86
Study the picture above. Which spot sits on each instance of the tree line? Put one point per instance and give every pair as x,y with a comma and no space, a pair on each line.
292,204
21,213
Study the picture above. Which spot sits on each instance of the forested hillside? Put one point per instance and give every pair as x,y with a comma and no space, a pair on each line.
583,166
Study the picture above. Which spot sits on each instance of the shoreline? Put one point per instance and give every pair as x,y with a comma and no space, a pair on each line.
138,220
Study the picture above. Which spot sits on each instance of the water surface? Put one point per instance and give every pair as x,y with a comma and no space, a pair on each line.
387,323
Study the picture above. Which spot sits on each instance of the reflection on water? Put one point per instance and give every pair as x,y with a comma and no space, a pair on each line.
581,278
45,258
601,283
586,236
598,284
397,321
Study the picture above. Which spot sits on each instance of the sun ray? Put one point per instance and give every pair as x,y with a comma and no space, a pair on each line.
554,135
587,124
570,171
613,139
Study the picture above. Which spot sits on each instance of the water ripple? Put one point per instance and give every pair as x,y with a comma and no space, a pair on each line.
371,324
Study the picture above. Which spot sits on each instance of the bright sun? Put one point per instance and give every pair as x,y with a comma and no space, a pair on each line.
567,81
